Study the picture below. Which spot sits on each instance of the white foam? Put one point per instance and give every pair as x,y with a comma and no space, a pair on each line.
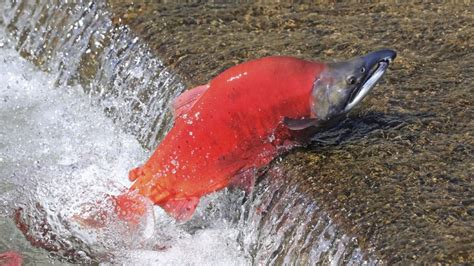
206,247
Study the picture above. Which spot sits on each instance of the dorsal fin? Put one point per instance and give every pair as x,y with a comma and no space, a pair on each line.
185,101
180,209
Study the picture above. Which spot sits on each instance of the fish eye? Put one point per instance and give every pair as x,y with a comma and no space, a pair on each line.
351,80
362,70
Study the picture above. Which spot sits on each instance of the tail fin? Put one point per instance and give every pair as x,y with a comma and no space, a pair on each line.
131,206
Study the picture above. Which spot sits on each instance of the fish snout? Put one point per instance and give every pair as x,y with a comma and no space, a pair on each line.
374,58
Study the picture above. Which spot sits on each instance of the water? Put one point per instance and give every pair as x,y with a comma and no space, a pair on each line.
90,109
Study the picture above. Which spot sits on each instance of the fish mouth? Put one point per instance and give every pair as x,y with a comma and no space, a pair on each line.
377,64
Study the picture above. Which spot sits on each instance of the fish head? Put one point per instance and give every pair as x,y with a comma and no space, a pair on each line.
342,85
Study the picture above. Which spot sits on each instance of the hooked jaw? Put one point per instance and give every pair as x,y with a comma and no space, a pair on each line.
376,64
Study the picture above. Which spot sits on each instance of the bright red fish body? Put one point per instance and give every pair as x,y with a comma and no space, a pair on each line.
241,120
229,127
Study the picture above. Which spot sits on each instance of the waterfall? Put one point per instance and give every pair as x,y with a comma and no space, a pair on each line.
78,42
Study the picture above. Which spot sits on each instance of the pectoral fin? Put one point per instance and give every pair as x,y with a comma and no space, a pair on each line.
181,209
299,124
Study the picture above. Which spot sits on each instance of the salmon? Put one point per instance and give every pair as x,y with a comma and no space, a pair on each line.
241,120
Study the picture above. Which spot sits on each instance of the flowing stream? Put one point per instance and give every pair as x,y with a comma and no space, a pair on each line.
82,101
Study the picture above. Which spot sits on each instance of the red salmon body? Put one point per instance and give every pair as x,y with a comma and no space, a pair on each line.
224,129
